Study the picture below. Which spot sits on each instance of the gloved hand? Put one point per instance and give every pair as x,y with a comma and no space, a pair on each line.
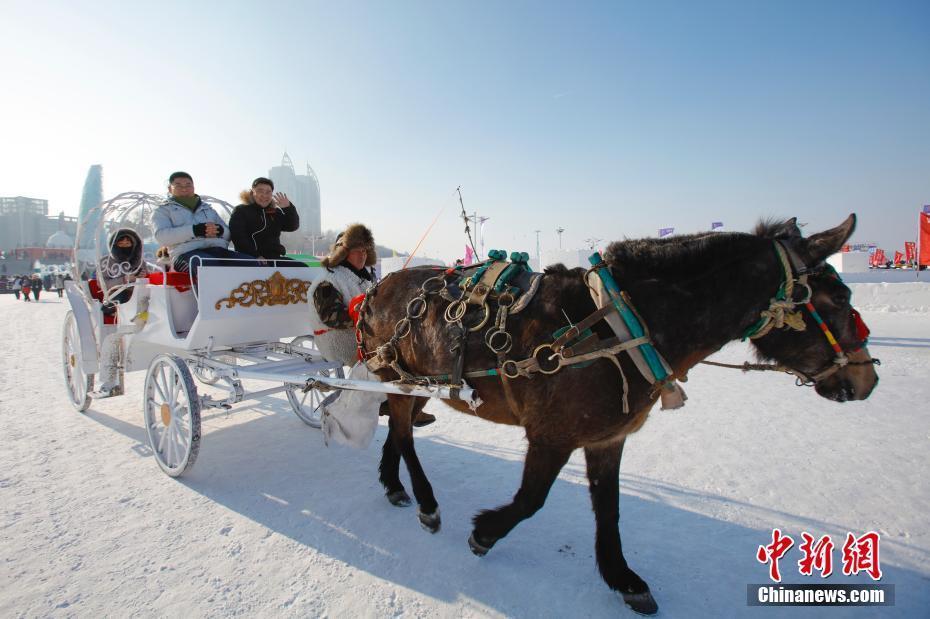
353,307
201,230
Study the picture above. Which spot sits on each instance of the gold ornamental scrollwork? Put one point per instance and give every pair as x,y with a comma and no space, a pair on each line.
276,290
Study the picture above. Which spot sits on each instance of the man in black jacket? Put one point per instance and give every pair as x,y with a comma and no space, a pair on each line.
256,225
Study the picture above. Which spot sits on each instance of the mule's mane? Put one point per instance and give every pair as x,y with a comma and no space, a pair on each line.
686,256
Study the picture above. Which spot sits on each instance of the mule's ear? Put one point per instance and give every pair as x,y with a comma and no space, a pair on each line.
827,243
790,229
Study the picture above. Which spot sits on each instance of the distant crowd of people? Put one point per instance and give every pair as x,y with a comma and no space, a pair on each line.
24,286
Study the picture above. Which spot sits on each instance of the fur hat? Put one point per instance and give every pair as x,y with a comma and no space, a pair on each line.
356,235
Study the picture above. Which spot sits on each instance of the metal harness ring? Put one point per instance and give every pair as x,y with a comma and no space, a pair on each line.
496,334
505,369
484,320
402,328
419,308
508,296
439,279
545,362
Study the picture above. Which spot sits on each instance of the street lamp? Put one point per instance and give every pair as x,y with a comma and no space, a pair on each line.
559,231
313,240
537,248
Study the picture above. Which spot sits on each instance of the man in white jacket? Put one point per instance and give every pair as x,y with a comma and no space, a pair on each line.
348,274
189,228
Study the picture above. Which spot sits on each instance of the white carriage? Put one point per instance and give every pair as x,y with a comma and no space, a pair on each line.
239,323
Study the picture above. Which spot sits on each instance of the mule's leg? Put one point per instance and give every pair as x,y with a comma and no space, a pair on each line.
603,479
400,437
389,471
540,468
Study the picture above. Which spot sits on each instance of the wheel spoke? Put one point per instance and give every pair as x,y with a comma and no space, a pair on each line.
169,448
166,388
176,388
161,392
161,439
176,439
180,444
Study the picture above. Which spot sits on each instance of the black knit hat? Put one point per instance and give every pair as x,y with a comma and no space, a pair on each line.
261,180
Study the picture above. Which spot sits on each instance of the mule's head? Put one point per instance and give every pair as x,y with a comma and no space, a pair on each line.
839,371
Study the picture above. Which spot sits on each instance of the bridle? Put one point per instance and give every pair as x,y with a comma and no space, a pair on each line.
783,313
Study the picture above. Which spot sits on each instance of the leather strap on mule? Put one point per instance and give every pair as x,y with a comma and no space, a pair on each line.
627,324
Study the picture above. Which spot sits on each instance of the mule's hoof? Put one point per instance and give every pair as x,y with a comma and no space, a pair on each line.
479,548
641,603
423,419
399,498
430,522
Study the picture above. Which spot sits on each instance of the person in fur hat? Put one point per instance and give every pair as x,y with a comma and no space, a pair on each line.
347,276
256,225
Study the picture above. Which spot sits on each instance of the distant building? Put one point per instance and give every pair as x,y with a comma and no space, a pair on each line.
91,197
396,263
21,220
24,222
571,258
304,191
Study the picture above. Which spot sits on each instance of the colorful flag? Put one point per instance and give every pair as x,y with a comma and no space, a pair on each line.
469,256
898,257
923,256
666,232
845,249
716,225
926,208
910,251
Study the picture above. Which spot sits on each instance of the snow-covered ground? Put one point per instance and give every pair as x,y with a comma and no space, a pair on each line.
270,522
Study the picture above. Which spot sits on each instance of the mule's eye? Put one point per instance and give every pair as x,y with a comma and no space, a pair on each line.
840,297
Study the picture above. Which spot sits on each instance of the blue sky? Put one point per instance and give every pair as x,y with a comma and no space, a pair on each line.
610,120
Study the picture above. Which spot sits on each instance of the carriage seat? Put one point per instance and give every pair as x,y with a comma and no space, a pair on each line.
175,279
97,293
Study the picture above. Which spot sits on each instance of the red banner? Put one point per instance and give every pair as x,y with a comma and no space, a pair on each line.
898,257
910,251
924,257
878,258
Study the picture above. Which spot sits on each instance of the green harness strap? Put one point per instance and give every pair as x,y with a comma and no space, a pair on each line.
518,264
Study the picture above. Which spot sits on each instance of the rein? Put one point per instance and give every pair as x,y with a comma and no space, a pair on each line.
782,314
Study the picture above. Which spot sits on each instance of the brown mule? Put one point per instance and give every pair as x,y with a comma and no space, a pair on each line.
696,293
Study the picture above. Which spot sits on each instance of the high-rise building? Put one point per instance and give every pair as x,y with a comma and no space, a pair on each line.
88,218
308,195
21,222
304,191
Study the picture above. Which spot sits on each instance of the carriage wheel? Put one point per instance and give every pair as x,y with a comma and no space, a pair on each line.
172,414
77,382
309,405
